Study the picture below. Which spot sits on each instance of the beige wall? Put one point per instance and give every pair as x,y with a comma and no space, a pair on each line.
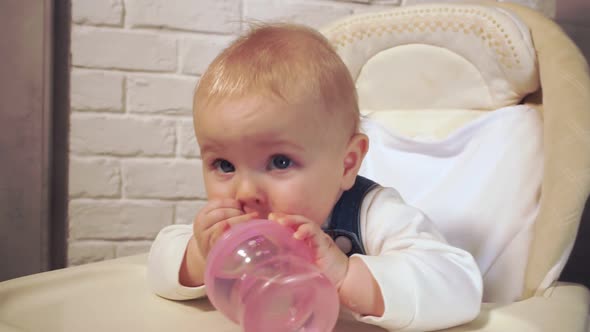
134,165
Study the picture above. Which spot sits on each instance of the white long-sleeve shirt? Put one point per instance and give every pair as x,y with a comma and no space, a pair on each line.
426,283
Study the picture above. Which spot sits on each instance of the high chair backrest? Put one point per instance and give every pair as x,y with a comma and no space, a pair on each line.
437,56
472,58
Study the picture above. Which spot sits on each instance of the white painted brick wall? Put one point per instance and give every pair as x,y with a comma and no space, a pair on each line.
312,13
105,134
198,51
186,139
118,219
132,248
144,94
186,211
92,12
134,162
216,16
81,252
165,179
110,48
94,177
99,91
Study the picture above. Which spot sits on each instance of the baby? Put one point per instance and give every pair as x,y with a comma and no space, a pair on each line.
277,122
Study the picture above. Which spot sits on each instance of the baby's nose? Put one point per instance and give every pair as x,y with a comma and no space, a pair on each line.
250,195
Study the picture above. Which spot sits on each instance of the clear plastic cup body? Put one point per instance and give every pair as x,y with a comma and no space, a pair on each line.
262,278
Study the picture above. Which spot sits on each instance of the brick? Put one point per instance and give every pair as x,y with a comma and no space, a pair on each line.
163,179
94,178
120,49
186,212
103,12
121,136
96,91
309,13
220,16
118,220
198,52
132,248
160,95
83,252
187,142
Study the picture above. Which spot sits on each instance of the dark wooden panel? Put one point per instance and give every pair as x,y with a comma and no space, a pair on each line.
58,226
25,97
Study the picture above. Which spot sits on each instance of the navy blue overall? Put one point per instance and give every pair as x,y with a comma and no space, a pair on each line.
345,220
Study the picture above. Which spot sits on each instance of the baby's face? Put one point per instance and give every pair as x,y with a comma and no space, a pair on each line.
272,157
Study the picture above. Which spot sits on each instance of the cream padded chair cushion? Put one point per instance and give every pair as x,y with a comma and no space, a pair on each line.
437,56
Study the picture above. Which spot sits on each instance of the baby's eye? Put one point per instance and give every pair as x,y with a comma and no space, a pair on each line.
224,166
280,162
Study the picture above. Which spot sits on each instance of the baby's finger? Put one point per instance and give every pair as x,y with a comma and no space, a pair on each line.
208,237
314,236
221,203
211,235
275,216
288,220
305,231
242,218
217,215
216,232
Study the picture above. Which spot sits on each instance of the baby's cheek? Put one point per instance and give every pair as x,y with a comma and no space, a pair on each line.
314,212
211,195
318,207
287,202
216,190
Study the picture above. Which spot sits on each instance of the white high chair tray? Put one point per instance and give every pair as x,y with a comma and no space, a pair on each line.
114,296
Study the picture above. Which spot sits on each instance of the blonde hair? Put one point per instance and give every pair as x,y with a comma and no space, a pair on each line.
288,61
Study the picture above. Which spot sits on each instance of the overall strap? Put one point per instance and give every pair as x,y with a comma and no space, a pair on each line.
345,222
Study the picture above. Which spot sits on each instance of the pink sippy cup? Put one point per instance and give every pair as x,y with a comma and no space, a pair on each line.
262,278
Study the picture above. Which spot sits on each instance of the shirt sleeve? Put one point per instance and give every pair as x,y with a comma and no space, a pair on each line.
164,261
426,283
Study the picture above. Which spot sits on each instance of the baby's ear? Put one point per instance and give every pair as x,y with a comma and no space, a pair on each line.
355,152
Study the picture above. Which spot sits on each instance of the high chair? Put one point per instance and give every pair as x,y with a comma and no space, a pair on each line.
428,70
420,70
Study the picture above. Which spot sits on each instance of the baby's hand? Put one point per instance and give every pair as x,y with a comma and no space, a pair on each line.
214,219
331,261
